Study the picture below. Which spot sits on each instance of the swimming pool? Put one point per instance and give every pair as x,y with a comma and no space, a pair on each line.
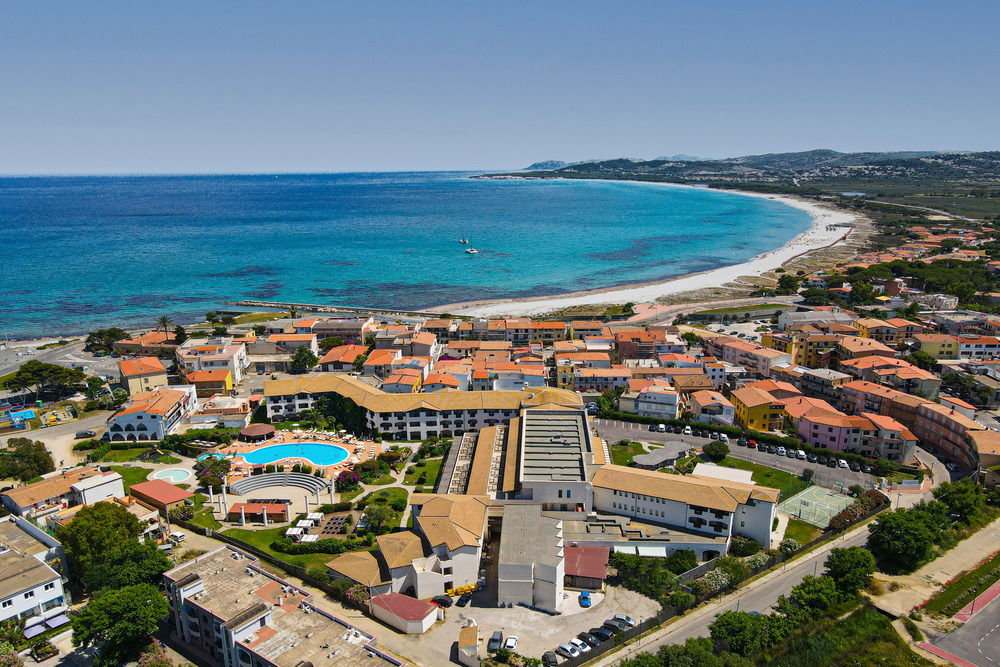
317,453
174,475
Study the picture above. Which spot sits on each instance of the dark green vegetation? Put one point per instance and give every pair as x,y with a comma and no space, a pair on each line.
43,378
965,184
904,539
25,459
805,627
119,621
966,588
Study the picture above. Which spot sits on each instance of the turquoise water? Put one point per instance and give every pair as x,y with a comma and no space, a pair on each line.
82,253
174,475
317,453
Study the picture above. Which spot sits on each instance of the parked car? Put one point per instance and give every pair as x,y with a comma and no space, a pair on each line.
791,453
842,463
495,642
585,598
623,618
821,460
568,650
442,600
781,451
866,469
661,428
550,659
741,442
590,639
801,455
581,646
752,444
713,435
615,626
724,438
511,643
80,435
811,458
854,466
831,462
602,633
464,600
687,430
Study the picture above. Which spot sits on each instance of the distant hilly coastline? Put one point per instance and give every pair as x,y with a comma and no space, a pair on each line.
788,168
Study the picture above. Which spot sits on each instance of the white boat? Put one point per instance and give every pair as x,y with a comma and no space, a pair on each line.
472,251
463,240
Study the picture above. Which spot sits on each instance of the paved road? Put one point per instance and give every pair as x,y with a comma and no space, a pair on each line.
14,355
833,478
978,641
669,312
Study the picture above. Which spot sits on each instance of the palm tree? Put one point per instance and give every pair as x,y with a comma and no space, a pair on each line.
292,313
164,323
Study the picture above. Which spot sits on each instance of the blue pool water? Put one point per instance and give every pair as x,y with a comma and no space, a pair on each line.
375,240
174,475
23,414
317,453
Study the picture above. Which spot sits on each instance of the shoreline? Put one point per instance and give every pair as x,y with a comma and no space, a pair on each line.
830,227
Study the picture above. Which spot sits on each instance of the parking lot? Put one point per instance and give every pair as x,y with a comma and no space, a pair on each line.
837,479
737,328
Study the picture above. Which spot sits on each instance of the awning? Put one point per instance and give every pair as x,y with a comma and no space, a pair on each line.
658,552
624,549
30,632
56,621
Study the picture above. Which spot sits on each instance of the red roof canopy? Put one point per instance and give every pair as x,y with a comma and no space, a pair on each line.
591,562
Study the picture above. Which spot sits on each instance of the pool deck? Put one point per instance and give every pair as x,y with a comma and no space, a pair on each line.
358,451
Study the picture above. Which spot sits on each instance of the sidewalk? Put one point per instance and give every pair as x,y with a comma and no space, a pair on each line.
977,605
929,579
944,655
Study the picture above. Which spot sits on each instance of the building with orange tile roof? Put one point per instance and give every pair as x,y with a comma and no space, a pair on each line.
939,346
711,407
756,409
209,383
777,389
402,381
141,374
342,357
154,342
209,354
151,415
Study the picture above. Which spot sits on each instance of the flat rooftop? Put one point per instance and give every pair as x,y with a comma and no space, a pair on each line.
619,530
555,446
528,536
293,636
15,539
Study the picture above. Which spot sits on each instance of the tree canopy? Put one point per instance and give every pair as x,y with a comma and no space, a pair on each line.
123,618
901,540
303,359
102,339
40,376
963,498
131,563
25,459
95,532
851,568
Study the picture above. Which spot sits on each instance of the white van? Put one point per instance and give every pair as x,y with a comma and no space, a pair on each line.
177,537
801,454
661,428
687,430
723,438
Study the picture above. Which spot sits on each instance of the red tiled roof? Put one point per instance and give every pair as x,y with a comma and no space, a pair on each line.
591,562
140,366
160,491
403,606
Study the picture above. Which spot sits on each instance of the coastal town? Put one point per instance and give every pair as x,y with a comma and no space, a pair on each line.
343,487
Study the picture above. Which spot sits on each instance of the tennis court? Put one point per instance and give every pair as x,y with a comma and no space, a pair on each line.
815,505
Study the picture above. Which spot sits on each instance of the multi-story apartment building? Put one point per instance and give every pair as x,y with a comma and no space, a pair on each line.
141,374
756,409
151,415
31,591
210,354
822,383
409,416
711,407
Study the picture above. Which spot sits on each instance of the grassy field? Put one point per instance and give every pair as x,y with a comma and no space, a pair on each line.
801,531
262,540
251,318
132,475
866,637
786,482
964,590
383,480
120,455
622,455
203,516
431,467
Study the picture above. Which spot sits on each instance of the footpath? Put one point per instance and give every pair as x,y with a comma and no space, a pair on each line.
921,585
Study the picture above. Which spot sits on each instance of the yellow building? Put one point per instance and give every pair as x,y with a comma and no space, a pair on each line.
939,346
756,409
142,374
210,383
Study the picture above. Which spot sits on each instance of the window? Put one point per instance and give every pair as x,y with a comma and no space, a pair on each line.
7,603
49,586
29,594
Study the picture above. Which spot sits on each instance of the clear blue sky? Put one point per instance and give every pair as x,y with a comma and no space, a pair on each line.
184,87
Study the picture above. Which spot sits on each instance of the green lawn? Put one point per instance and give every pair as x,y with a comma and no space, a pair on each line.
801,531
132,475
383,480
250,318
262,539
120,455
167,458
865,637
744,309
622,455
964,590
203,516
432,467
786,482
900,476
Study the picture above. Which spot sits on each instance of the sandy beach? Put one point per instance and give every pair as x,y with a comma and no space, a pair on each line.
829,227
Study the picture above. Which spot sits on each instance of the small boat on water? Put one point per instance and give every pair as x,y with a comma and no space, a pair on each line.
463,240
472,251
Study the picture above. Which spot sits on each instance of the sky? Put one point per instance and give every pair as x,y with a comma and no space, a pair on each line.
248,87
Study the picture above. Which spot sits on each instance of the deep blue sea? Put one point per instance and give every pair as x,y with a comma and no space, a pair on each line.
85,252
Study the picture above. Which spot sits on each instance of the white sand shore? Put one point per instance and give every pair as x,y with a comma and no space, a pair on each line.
829,227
